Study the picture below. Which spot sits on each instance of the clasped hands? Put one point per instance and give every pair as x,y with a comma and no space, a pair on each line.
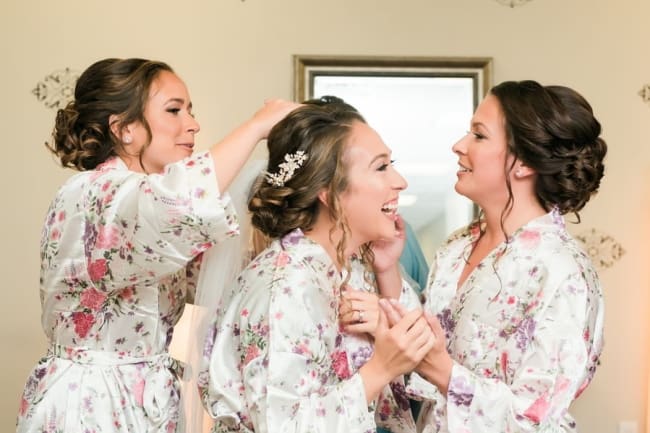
405,340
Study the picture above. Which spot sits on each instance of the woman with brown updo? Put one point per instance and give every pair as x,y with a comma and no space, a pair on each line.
519,327
120,247
279,359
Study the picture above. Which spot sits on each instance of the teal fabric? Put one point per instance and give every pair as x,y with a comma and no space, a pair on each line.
412,259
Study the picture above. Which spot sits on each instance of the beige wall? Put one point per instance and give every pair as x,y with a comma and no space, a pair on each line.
233,54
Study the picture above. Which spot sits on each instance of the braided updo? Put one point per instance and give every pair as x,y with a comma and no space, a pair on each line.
552,129
319,128
82,137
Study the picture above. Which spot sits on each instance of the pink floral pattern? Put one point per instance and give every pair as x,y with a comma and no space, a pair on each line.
277,361
526,338
119,258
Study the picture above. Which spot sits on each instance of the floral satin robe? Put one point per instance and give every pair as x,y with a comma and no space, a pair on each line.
118,261
277,360
525,339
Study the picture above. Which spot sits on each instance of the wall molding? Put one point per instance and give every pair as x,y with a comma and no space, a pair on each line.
604,250
57,88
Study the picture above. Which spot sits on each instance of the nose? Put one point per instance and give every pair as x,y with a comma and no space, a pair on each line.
399,183
193,126
459,147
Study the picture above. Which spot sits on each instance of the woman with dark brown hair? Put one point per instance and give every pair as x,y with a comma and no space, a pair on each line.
120,247
519,306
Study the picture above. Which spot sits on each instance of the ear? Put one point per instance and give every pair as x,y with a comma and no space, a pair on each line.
122,132
114,125
323,195
522,171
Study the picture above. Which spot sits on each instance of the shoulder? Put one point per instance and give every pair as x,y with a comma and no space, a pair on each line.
557,262
556,247
275,265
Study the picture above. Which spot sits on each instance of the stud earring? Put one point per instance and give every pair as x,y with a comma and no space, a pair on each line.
518,173
127,139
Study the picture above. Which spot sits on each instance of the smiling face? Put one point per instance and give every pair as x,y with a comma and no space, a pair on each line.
168,112
370,200
482,155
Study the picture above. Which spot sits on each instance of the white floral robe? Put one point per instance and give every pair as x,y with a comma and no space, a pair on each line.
118,262
277,360
525,339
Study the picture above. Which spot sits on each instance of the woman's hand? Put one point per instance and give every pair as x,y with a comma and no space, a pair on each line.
359,311
388,251
386,261
397,350
271,113
437,364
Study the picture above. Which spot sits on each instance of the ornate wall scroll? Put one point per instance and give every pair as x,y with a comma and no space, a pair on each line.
57,88
604,250
644,93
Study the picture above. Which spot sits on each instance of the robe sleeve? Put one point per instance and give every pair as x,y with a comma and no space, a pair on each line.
143,227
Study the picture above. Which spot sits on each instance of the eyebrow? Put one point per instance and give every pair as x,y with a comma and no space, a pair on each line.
381,155
475,124
179,100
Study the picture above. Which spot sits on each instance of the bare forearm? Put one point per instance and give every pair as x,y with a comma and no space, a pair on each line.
231,153
389,283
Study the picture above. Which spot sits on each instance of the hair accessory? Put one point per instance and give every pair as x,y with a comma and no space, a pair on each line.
292,162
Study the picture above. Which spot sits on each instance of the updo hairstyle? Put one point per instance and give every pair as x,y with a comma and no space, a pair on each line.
552,129
319,128
82,137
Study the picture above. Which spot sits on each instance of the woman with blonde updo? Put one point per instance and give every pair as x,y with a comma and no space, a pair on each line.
280,359
519,305
120,247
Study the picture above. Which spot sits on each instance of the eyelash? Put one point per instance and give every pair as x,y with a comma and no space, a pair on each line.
477,135
383,167
175,112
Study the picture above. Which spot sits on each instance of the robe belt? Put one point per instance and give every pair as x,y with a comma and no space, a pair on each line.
80,355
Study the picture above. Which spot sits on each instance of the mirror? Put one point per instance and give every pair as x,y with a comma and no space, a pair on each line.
420,107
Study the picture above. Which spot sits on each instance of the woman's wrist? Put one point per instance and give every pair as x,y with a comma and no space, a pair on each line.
375,377
389,282
438,374
257,128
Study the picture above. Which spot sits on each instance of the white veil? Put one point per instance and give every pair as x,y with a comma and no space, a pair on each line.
220,267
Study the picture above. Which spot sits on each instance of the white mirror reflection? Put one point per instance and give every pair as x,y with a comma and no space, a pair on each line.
420,112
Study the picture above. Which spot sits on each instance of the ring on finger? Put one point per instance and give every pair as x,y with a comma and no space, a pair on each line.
360,316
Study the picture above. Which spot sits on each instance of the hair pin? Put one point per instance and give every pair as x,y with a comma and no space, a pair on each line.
292,162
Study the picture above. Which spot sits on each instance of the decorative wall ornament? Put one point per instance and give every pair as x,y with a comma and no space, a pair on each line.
644,93
57,88
512,3
604,250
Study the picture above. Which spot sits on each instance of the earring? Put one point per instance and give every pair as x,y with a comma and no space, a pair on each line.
127,139
518,173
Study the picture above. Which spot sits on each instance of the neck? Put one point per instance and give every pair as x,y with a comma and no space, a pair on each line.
322,234
524,210
132,162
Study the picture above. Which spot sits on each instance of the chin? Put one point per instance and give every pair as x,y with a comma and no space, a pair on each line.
460,190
